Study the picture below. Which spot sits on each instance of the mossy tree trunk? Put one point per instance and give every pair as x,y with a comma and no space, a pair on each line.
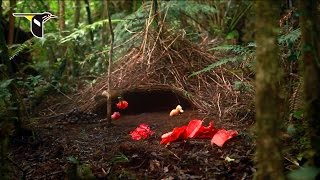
268,153
310,48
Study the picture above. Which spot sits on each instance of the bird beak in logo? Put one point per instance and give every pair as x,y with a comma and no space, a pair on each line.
37,21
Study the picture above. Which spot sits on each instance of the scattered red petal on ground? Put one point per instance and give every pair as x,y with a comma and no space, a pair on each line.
175,135
222,136
195,129
206,132
143,131
115,116
122,104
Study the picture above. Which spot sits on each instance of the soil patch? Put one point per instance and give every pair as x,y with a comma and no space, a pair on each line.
111,154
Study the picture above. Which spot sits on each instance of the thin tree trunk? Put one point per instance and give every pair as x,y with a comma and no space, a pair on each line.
109,102
104,33
310,48
268,155
6,123
89,18
77,13
11,22
61,15
75,65
16,36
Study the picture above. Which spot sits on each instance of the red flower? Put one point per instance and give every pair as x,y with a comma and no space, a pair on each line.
141,132
195,129
115,116
122,104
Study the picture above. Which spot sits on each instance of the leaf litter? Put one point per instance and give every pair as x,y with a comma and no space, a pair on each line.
111,153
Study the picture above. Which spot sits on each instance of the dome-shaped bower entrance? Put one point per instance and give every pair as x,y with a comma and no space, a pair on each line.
144,100
153,101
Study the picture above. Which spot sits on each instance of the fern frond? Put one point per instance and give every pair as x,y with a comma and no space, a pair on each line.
292,36
84,30
19,49
218,63
232,48
191,8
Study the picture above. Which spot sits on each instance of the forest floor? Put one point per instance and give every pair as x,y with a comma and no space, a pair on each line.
55,147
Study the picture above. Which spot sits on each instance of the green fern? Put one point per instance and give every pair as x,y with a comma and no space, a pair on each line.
19,49
241,53
190,8
135,22
84,30
216,64
232,48
292,36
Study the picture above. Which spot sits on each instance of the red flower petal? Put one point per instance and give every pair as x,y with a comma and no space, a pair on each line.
193,128
205,132
176,134
222,135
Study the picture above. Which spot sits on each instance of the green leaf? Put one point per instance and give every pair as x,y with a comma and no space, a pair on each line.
4,84
298,114
232,35
304,173
120,158
291,130
73,159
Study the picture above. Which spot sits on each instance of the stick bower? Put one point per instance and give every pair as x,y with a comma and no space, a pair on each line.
157,76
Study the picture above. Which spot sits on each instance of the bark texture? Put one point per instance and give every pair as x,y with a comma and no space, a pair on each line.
268,154
11,22
310,48
62,23
77,13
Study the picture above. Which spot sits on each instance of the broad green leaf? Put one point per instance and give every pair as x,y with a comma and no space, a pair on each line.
304,173
5,83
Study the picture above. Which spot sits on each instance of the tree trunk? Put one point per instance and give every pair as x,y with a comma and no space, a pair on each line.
104,33
5,123
77,13
109,102
75,64
310,48
11,22
268,122
89,18
61,15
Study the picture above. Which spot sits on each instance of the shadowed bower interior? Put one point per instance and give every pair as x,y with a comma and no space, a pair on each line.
141,101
